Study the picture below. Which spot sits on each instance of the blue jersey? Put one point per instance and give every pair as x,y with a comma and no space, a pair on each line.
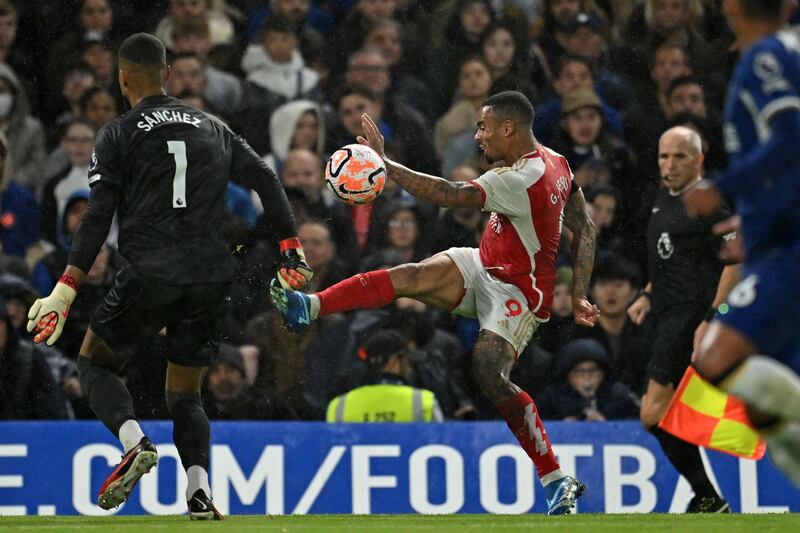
762,118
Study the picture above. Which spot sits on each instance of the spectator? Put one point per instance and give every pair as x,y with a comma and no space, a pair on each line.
295,125
583,136
685,95
187,78
315,23
645,125
603,207
556,21
369,68
585,390
98,107
27,388
15,56
614,285
220,27
459,226
439,363
321,255
78,143
349,35
406,57
593,172
230,397
587,38
47,271
303,173
401,233
222,90
95,23
574,74
76,83
275,64
501,52
405,131
18,211
557,331
388,397
98,55
19,295
24,133
474,84
462,39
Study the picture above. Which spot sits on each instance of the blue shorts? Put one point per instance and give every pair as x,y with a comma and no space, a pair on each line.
763,307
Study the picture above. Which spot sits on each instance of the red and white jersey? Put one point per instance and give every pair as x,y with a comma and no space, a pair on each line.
521,240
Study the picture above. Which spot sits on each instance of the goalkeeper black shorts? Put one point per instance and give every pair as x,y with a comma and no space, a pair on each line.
137,307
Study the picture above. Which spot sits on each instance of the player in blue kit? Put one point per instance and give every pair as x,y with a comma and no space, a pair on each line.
753,351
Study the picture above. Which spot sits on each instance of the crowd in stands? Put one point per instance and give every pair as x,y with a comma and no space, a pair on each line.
606,78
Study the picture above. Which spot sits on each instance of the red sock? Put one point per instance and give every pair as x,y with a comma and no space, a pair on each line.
524,422
370,290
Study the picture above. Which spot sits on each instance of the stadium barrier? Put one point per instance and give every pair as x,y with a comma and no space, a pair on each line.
51,468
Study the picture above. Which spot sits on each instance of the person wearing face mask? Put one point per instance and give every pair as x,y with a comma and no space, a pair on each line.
25,134
585,390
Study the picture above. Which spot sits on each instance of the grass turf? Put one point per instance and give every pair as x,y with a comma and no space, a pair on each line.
596,523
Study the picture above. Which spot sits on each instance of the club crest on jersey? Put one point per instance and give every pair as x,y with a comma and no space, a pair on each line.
664,246
495,223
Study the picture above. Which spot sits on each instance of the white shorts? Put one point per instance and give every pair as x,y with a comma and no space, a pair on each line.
499,306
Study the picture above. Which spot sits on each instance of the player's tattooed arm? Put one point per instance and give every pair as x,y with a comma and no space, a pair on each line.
577,219
437,191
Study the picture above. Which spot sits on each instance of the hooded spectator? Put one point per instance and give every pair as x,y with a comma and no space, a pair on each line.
586,390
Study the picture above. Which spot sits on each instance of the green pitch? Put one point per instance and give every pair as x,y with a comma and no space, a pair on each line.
591,523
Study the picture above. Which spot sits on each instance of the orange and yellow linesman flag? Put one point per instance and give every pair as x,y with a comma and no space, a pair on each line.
702,414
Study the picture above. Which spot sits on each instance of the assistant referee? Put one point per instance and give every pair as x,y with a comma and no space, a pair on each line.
684,269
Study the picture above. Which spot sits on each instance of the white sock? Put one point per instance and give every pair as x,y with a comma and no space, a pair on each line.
197,478
555,475
130,434
314,306
768,385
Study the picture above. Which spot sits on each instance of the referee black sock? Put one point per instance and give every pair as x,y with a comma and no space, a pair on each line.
191,431
108,396
686,459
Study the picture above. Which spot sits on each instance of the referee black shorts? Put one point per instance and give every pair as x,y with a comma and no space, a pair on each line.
673,345
137,307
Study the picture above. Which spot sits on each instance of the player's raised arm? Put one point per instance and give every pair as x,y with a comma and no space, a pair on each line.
582,251
437,191
251,171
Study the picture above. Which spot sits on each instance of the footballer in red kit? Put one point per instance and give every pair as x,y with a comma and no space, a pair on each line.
507,284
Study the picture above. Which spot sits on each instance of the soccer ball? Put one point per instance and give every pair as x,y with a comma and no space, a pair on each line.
355,173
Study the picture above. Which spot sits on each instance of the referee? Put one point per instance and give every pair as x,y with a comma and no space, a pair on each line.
684,270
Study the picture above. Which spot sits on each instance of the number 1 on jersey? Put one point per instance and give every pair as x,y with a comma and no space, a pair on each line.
178,150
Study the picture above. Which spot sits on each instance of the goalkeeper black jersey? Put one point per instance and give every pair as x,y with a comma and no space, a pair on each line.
165,166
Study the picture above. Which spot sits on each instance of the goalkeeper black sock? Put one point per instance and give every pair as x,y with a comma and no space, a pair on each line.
686,459
191,431
108,396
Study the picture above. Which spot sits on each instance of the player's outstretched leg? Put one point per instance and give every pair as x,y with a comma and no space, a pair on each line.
436,281
492,360
112,403
191,433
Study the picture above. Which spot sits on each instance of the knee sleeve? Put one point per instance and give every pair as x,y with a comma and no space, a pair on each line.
191,431
107,394
766,384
